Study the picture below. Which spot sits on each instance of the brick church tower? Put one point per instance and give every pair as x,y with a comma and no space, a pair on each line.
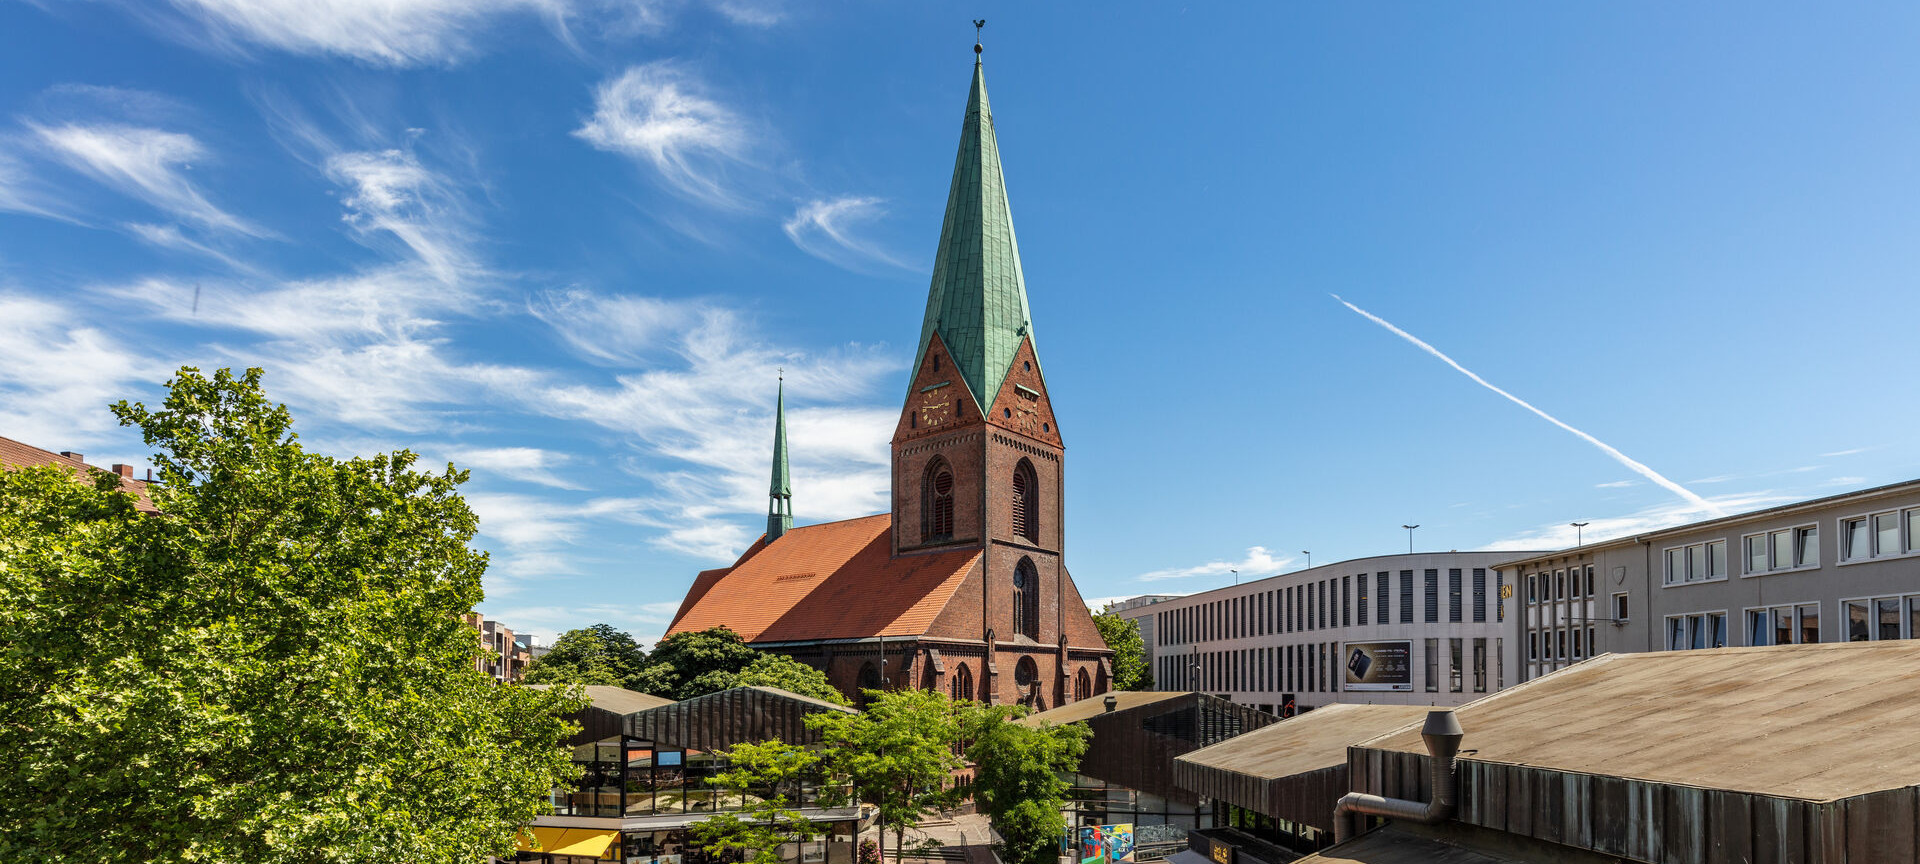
961,586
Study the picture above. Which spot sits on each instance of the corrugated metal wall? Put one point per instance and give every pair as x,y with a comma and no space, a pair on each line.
720,720
1136,747
1659,822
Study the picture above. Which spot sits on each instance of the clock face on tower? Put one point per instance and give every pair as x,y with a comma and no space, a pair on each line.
935,408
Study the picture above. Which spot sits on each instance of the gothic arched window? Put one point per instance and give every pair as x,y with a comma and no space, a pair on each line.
1026,599
1082,686
936,503
1026,502
1026,677
963,683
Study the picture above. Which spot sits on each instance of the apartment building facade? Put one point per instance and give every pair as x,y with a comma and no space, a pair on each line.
1844,568
1419,629
503,654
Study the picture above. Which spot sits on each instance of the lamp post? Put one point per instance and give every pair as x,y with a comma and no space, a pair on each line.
1309,558
1577,533
1236,575
1409,537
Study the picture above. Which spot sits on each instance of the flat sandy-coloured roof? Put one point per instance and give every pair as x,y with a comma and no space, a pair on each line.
618,700
1308,742
1073,712
1814,722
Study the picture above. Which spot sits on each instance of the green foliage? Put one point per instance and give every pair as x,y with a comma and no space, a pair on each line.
793,676
273,668
1130,668
762,776
591,655
899,754
686,665
1018,784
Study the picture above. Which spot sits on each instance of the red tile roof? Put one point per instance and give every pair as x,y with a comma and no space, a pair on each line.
832,581
15,454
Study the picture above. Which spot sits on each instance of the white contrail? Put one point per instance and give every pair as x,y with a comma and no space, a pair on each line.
1618,456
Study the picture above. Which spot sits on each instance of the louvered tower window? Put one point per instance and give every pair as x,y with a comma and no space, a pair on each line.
936,503
1026,599
1026,503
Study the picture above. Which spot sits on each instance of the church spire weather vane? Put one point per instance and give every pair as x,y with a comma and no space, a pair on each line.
977,24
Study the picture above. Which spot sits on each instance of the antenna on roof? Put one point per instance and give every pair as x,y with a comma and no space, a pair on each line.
977,24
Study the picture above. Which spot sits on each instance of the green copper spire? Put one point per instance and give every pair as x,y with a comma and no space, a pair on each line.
978,300
780,494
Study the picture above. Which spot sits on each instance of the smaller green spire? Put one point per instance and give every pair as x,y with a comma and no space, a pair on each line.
780,493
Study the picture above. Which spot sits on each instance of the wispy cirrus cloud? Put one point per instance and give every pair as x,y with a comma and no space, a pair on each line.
57,372
144,163
388,192
393,33
698,411
1258,563
659,114
412,33
23,190
824,228
526,464
1562,535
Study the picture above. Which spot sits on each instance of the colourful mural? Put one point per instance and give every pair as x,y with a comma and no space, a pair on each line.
1106,844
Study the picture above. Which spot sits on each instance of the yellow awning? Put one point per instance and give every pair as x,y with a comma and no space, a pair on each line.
568,841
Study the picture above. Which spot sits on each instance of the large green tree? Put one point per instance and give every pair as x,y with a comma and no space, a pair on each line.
766,779
1130,669
1018,783
272,668
899,755
590,655
691,664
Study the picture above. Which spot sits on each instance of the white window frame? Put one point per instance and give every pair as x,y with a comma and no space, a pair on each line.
1703,614
1909,545
1747,613
1620,607
1686,558
1794,553
1873,624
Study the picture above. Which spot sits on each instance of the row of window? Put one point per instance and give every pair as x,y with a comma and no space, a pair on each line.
1560,585
1341,602
1874,535
1866,618
1315,668
1880,535
1565,644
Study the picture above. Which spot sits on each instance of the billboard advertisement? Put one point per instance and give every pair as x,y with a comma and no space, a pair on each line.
1106,844
1380,666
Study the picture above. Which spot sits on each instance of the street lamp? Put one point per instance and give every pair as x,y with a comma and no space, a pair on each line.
1577,534
1409,537
1309,558
1236,575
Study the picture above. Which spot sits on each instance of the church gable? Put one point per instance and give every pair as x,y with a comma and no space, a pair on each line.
1022,405
938,400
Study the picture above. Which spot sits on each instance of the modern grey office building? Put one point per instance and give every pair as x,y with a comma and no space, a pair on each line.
1840,568
1421,629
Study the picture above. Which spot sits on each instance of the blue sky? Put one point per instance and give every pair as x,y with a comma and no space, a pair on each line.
567,243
